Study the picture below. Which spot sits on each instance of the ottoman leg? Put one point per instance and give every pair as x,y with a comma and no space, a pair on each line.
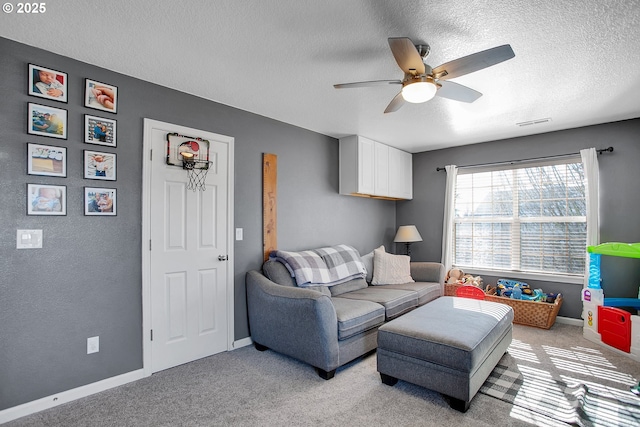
457,404
388,379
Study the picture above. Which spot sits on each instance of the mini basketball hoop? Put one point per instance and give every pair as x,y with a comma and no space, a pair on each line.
197,172
193,155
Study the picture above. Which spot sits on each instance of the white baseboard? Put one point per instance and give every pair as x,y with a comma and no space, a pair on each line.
34,406
570,321
242,343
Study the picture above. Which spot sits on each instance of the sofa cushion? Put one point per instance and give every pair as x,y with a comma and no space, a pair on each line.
356,316
367,260
351,285
278,273
324,290
389,269
427,291
395,301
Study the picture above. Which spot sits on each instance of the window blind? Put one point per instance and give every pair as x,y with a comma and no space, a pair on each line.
526,219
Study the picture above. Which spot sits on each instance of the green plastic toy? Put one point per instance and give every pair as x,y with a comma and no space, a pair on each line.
625,250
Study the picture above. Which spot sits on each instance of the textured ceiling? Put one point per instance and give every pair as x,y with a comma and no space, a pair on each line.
577,62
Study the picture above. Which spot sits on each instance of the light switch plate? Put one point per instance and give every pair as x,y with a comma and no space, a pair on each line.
239,234
93,345
28,239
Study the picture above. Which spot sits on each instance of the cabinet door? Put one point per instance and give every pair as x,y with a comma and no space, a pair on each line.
366,166
396,174
400,174
407,175
382,170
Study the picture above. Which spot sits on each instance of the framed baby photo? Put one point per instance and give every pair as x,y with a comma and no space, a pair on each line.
100,96
98,130
47,121
99,201
47,83
46,199
99,165
46,160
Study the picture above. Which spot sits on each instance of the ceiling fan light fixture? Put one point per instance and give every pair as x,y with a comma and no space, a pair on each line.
419,92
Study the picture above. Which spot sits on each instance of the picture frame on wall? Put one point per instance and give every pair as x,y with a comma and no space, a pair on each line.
99,130
100,96
100,201
46,199
47,121
47,83
99,165
46,160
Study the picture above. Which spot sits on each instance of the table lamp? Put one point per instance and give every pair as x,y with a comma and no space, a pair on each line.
407,234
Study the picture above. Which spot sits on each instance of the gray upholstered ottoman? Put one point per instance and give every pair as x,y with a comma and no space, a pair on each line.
449,345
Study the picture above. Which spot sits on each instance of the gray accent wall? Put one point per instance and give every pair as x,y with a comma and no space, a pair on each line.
619,197
86,280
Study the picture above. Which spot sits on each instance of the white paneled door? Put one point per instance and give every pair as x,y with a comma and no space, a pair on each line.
188,275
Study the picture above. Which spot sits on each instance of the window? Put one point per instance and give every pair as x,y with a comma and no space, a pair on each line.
530,219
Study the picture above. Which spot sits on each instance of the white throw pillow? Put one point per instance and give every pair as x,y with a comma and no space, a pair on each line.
367,260
389,269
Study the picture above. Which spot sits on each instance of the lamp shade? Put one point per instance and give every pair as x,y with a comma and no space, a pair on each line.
407,234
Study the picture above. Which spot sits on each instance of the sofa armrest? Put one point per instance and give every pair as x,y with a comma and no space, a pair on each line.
298,322
428,272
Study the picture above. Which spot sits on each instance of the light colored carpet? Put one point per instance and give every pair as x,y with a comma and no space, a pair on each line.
579,402
250,388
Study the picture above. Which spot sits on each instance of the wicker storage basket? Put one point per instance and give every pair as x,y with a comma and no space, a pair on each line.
450,289
530,313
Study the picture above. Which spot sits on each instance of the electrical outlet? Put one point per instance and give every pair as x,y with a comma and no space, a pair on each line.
93,345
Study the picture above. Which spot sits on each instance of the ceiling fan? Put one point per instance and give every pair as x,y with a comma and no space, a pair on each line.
421,82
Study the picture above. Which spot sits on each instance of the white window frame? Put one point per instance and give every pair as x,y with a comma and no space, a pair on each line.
516,221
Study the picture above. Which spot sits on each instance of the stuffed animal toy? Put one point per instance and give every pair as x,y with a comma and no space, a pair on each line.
454,275
476,281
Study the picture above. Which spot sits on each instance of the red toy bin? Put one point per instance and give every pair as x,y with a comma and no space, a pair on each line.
469,291
614,326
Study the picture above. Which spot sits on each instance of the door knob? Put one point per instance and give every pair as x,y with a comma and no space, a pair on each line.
222,258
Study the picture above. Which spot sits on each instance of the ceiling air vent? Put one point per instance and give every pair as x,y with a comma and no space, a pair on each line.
534,122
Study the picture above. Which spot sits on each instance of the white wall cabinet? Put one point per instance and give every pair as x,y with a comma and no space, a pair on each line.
372,169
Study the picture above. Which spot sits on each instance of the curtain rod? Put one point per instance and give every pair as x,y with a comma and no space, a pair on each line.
511,162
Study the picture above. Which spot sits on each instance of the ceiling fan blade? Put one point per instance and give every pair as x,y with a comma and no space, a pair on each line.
395,104
474,62
367,84
406,55
457,92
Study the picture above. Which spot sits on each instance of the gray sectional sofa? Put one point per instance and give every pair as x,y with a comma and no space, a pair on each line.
327,327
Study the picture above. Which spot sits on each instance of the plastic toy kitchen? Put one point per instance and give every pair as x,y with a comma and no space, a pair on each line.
604,321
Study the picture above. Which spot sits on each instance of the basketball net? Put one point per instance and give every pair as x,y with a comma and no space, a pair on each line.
197,173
